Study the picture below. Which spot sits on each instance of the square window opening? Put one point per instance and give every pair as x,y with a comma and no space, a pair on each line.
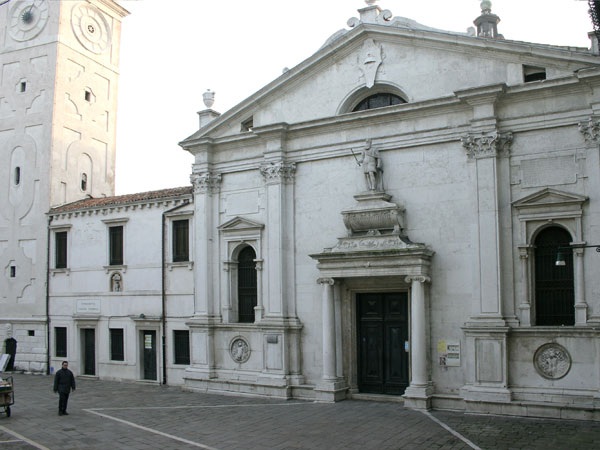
531,73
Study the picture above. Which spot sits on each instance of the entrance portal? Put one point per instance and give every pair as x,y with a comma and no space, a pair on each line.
88,337
382,337
149,354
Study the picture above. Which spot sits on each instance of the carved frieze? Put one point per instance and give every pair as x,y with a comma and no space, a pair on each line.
590,130
278,172
239,350
206,183
487,145
552,361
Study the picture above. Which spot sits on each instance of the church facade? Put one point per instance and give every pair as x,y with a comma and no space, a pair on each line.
409,213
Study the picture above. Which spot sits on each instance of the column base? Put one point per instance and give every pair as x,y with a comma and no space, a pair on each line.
418,396
333,390
581,314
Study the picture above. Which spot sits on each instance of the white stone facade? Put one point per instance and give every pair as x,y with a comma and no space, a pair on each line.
416,273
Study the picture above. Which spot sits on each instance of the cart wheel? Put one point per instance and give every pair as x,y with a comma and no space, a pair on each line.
7,411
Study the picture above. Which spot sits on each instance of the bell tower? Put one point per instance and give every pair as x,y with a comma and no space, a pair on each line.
59,63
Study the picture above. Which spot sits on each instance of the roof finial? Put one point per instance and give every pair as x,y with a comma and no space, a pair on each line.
370,2
486,6
209,98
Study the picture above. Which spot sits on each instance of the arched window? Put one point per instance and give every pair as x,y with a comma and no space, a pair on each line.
84,182
247,292
378,101
554,286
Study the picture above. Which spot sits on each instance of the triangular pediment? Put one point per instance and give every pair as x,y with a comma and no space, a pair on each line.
240,224
550,197
328,83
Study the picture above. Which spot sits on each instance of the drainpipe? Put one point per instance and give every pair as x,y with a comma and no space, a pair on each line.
48,297
163,288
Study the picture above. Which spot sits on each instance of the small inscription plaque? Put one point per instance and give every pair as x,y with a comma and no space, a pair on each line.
88,306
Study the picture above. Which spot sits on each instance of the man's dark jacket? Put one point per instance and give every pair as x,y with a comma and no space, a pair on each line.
64,381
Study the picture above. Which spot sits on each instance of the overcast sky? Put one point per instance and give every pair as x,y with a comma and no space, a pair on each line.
172,51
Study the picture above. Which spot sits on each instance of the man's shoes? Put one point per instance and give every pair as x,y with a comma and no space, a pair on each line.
65,413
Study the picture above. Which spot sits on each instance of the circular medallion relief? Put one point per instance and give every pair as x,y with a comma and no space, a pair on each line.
27,19
552,361
90,27
239,350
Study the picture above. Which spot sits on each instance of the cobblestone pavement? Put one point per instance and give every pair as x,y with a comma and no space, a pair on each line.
106,415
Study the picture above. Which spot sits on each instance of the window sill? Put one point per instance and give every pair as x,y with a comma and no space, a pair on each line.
188,264
66,271
122,268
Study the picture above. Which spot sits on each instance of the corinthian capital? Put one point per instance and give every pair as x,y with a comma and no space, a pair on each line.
490,145
591,130
207,182
278,172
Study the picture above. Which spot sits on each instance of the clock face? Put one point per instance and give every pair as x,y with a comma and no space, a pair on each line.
27,19
90,27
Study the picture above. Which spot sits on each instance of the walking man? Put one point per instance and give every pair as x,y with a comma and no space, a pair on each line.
63,382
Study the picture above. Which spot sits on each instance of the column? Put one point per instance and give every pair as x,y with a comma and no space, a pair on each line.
580,304
525,305
329,359
259,308
418,394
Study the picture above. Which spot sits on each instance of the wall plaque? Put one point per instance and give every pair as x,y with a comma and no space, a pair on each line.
552,361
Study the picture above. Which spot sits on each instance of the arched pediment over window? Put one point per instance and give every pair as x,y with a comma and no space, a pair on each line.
379,96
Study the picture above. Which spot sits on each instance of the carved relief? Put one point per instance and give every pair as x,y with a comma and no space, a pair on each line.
369,61
487,145
279,172
239,350
206,183
552,361
590,130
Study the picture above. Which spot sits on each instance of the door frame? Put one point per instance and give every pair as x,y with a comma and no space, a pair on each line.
157,351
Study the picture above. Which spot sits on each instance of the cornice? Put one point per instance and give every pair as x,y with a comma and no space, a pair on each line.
114,7
110,209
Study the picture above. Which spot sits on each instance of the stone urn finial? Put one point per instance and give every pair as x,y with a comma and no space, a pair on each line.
370,2
209,98
486,6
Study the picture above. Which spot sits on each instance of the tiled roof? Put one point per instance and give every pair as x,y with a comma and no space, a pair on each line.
127,199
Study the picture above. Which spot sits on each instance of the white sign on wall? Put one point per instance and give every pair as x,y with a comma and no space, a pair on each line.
449,353
88,306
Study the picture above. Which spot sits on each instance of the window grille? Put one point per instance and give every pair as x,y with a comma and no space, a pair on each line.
181,240
554,285
116,245
181,339
60,254
379,101
60,342
116,344
247,293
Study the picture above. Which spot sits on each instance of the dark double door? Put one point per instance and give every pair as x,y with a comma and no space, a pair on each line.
382,337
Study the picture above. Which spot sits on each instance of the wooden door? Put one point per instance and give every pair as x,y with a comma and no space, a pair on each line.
89,351
382,334
149,354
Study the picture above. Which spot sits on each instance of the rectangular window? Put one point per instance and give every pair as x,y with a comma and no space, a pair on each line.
60,342
116,245
181,338
60,254
181,240
117,352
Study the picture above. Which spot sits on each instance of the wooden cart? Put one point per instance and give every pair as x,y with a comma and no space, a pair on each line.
7,394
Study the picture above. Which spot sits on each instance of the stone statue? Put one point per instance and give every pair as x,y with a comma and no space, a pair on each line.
116,282
371,164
